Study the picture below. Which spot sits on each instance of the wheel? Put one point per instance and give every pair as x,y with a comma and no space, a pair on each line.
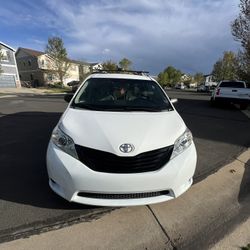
212,102
243,106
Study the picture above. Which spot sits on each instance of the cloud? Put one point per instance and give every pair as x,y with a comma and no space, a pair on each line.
106,51
189,34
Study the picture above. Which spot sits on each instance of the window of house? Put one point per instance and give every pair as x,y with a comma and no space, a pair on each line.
29,62
31,77
49,77
5,56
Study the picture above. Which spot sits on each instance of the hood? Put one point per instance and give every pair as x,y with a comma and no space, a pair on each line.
106,131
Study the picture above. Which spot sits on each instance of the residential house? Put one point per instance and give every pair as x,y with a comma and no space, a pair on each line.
37,67
85,68
9,77
208,78
209,81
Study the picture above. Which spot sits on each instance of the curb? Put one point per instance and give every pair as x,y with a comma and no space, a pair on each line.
7,96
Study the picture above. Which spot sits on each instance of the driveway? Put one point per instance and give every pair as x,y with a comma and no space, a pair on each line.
26,122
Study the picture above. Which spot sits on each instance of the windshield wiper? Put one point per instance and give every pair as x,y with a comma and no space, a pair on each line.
147,109
84,106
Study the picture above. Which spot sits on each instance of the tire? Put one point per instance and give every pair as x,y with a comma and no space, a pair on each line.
212,102
243,106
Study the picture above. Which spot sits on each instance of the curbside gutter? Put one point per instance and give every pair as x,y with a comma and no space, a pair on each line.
196,220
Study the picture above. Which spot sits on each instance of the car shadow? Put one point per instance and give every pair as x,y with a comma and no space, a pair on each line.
245,184
23,175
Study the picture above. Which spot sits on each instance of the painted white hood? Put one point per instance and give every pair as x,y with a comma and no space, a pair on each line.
106,131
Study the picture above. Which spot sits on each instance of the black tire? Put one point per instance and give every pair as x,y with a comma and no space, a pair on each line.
243,106
212,102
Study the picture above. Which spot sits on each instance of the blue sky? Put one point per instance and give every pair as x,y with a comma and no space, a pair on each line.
188,34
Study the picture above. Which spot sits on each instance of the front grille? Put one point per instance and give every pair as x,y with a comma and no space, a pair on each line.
102,161
122,196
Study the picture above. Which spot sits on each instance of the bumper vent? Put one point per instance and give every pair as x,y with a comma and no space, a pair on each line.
102,161
122,196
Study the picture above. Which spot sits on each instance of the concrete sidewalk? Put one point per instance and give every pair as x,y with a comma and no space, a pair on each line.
196,220
237,239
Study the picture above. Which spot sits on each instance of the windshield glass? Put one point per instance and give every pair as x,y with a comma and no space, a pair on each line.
232,85
112,94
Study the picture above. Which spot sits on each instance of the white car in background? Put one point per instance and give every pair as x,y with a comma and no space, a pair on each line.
120,142
235,92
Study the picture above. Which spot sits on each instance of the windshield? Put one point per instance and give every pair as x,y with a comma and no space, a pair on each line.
232,85
112,94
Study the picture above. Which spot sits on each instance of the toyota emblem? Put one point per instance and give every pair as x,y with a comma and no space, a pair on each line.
126,148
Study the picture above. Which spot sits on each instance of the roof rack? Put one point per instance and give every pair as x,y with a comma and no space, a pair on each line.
119,70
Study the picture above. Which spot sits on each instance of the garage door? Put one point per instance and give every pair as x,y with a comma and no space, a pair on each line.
7,81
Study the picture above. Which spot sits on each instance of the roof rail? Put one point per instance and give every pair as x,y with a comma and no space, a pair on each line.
119,70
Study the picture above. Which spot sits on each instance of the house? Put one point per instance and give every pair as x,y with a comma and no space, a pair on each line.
37,68
208,78
9,77
209,81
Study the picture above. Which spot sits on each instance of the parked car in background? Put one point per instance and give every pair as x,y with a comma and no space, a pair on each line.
206,87
180,86
120,142
202,88
235,92
74,85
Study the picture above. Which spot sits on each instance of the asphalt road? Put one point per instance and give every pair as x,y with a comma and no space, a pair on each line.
26,122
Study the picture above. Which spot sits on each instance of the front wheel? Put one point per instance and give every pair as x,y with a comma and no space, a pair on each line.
212,102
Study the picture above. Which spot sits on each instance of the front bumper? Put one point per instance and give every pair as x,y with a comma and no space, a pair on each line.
232,100
70,178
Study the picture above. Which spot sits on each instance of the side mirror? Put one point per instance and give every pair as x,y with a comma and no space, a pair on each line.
174,100
68,97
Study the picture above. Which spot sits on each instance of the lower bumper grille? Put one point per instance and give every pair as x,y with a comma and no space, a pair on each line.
123,196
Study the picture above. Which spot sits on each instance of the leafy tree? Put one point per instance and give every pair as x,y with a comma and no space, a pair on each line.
241,25
109,65
198,78
226,68
163,78
170,76
125,64
56,50
241,32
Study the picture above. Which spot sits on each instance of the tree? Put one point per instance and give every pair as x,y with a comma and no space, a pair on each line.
170,76
57,52
198,78
163,78
125,64
241,25
109,65
241,32
226,68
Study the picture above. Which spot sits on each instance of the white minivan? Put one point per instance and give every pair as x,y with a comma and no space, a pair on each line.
120,142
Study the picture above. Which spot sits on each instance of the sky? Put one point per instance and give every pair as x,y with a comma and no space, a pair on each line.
187,34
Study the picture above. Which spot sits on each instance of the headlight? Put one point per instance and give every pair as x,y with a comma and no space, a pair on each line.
64,142
182,143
